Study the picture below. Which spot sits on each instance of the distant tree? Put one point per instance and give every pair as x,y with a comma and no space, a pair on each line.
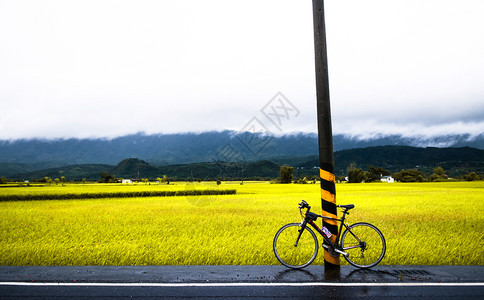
375,174
302,180
145,180
48,180
83,180
471,176
411,175
439,171
3,180
408,178
433,178
56,181
162,180
355,175
286,174
219,182
63,180
438,175
106,177
368,177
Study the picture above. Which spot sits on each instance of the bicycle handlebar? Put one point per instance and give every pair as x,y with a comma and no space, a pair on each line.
345,208
304,204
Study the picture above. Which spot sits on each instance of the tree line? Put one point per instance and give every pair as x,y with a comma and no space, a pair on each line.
355,175
375,174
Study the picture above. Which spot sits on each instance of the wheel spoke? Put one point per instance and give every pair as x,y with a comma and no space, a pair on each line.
291,254
367,252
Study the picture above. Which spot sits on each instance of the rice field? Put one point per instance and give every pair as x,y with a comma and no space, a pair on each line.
423,223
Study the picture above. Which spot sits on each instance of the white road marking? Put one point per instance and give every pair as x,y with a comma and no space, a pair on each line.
247,284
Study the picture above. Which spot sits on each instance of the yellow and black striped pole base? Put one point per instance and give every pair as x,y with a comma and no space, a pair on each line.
328,202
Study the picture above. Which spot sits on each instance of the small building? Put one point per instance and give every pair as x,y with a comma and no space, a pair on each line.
126,181
387,179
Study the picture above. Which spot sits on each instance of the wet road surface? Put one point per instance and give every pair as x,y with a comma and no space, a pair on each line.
239,282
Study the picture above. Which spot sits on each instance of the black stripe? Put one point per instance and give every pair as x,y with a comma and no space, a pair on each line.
327,167
328,186
328,207
332,228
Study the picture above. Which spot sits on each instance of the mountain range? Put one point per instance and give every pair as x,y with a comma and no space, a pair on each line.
245,154
184,148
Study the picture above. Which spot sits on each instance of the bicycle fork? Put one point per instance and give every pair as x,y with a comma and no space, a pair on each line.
301,229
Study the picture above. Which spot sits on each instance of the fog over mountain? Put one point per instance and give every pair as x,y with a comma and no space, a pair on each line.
184,148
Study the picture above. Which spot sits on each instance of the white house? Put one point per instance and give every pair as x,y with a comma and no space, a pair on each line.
126,181
388,179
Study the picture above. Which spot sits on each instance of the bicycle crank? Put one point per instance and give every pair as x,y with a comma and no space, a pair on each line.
333,251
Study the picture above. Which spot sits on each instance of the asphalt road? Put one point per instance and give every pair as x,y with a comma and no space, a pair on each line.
239,282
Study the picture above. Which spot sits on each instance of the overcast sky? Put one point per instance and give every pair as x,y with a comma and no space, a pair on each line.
109,68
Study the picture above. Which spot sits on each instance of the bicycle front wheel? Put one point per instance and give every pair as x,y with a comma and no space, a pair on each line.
364,244
294,253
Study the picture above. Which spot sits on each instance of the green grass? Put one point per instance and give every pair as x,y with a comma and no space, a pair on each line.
126,194
423,223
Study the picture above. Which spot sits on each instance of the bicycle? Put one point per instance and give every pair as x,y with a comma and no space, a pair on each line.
296,245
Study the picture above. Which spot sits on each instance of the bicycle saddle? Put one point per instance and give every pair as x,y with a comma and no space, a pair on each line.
347,206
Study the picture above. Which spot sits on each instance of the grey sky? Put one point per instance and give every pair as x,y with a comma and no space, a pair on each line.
109,68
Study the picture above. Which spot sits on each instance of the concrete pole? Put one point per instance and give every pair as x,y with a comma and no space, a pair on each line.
325,133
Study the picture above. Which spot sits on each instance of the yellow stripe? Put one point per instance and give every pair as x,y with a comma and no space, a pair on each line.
328,176
327,214
333,239
325,195
330,222
331,259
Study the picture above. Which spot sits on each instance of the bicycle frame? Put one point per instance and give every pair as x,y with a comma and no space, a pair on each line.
310,217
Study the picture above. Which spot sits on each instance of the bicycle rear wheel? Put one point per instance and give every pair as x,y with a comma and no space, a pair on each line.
364,244
294,255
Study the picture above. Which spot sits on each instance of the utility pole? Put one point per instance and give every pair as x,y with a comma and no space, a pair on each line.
325,134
